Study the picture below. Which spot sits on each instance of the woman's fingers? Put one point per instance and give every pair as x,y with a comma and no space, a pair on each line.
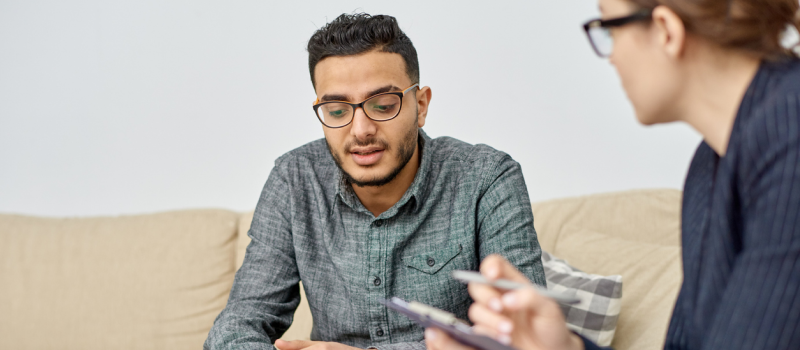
483,294
491,333
538,322
523,317
496,267
438,340
529,300
491,324
490,320
482,330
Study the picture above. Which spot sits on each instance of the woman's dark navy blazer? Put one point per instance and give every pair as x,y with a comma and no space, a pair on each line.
741,227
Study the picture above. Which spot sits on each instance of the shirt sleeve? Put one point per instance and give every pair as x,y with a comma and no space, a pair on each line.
505,220
265,291
760,305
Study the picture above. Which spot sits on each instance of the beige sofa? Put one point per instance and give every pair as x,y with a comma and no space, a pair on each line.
158,281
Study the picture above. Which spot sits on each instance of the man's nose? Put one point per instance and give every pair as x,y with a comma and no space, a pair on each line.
362,127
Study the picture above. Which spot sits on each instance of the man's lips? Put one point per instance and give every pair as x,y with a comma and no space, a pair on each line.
365,150
366,156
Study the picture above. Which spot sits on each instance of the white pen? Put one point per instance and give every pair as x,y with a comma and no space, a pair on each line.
475,277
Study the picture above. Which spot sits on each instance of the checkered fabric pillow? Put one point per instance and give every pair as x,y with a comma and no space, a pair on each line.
596,316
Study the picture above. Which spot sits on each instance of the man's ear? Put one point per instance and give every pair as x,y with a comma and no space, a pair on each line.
670,31
423,101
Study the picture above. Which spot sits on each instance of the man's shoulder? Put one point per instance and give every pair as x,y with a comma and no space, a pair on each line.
446,148
315,153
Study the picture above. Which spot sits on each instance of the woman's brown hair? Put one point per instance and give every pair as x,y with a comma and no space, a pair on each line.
755,26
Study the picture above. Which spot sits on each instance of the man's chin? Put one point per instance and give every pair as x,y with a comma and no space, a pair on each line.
369,179
374,175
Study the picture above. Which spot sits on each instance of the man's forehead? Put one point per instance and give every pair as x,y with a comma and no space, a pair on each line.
359,75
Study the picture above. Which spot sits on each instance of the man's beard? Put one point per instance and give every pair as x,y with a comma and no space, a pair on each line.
406,151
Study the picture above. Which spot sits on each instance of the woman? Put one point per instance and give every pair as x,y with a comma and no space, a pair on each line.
719,66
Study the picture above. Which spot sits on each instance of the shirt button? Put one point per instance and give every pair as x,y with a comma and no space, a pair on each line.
379,332
431,262
377,281
379,223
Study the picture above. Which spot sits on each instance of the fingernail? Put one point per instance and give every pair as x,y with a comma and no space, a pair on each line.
495,305
509,300
505,327
430,334
504,339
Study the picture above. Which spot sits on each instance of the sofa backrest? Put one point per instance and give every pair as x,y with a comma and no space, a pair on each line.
134,282
635,234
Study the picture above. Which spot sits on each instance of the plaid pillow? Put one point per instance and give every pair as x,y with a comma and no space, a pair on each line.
596,316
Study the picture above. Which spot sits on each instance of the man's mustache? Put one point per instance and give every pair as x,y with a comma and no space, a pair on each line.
367,143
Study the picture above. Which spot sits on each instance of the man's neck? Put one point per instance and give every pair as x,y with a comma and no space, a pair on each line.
378,199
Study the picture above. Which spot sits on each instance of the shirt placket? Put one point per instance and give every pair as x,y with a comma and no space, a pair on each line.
376,281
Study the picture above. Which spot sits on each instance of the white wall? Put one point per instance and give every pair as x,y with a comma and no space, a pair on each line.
112,107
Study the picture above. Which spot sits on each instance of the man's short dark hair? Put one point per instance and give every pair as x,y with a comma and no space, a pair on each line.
353,34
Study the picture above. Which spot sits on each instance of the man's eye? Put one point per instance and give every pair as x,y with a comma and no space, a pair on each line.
338,113
383,108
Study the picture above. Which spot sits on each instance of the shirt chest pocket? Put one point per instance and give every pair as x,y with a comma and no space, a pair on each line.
426,278
433,262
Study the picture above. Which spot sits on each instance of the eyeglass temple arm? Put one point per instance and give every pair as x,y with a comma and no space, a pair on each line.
410,87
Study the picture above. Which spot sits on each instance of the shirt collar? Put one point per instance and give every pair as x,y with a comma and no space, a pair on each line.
414,194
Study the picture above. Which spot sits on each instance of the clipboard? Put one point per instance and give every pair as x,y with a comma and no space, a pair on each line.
427,316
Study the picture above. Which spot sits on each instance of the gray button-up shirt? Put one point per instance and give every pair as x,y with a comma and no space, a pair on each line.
465,203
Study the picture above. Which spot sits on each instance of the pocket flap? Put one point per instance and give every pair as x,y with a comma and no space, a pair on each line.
433,262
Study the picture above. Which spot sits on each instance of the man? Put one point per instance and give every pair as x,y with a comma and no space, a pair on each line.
377,209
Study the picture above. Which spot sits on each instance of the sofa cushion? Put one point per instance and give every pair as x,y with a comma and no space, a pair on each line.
601,298
133,282
635,234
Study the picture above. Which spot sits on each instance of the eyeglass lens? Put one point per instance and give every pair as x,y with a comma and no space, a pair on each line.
601,39
380,107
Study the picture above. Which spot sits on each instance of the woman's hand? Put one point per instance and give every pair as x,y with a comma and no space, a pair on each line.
522,318
438,340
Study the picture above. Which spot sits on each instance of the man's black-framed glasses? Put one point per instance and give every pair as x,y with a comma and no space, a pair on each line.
380,108
599,34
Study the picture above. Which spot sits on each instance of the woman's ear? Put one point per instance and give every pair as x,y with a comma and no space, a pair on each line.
670,32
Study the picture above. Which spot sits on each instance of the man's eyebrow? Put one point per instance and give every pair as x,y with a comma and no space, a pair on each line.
386,88
333,97
337,97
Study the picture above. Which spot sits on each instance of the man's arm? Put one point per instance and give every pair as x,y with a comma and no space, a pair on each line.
265,291
505,220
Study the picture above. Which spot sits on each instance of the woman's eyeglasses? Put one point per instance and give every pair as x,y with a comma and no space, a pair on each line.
381,107
598,30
